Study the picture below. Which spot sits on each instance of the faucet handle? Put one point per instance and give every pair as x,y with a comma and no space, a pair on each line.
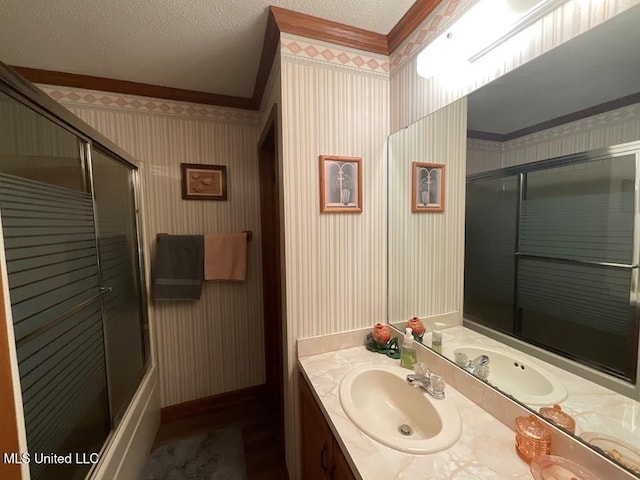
437,386
482,372
461,358
421,369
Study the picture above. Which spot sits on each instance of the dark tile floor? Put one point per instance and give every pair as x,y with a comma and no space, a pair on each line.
258,420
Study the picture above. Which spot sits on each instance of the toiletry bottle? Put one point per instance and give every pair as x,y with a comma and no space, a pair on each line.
408,352
436,337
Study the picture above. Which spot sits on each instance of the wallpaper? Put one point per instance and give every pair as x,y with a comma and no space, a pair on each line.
335,263
599,131
413,97
214,345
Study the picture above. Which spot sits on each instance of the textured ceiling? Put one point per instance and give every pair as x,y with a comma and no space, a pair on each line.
203,45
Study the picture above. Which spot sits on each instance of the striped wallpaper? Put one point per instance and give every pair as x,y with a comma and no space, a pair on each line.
425,264
413,97
599,131
332,100
214,345
483,155
335,263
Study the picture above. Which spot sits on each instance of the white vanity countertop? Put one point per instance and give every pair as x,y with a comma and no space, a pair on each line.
592,406
485,449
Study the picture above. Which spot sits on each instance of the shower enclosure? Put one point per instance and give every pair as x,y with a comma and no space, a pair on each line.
551,256
70,229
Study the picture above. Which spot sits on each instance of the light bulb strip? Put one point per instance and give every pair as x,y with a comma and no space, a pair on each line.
527,19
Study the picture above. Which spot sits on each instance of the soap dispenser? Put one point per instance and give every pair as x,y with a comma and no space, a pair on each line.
408,352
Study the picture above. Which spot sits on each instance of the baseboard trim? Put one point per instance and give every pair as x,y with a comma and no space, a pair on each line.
206,404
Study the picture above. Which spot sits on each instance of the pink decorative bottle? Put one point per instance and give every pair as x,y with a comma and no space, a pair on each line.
381,333
416,326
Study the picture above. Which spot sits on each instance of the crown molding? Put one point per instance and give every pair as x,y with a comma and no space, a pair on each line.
269,49
411,20
280,20
558,121
88,82
308,26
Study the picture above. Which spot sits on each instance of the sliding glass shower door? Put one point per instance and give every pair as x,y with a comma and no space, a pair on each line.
54,288
125,340
71,246
575,260
551,256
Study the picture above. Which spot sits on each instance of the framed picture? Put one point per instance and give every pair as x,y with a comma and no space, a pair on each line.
204,182
427,187
340,184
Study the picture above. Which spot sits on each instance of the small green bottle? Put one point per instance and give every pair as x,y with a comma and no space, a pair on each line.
436,337
407,352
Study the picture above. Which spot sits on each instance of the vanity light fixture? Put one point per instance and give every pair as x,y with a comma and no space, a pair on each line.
482,28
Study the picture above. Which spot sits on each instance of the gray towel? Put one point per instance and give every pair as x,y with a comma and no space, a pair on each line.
178,270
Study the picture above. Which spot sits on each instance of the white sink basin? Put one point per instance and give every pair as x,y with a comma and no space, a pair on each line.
379,401
526,381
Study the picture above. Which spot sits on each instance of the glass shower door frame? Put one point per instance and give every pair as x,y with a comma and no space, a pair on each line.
522,171
134,181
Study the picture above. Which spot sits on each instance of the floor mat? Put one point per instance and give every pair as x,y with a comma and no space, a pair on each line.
217,455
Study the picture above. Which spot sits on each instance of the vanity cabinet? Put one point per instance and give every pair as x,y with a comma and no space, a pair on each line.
341,469
322,458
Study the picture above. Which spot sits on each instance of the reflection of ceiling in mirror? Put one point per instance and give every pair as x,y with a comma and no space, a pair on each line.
555,84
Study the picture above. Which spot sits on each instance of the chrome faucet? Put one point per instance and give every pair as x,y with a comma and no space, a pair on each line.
479,361
430,382
478,366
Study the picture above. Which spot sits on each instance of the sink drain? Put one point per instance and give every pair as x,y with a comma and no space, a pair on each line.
405,429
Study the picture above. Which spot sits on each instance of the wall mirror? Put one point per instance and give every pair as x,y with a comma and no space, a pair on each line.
551,232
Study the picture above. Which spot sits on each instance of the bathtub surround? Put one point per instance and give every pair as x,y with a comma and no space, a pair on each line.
201,346
134,414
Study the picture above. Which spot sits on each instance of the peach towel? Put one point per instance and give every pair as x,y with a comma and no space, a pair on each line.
225,256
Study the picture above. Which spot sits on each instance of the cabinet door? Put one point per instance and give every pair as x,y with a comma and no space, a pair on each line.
317,440
341,469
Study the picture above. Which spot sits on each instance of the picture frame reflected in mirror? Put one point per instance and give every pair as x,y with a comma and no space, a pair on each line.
427,187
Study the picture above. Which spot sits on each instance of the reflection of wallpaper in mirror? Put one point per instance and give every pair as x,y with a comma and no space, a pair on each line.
599,131
425,251
616,126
